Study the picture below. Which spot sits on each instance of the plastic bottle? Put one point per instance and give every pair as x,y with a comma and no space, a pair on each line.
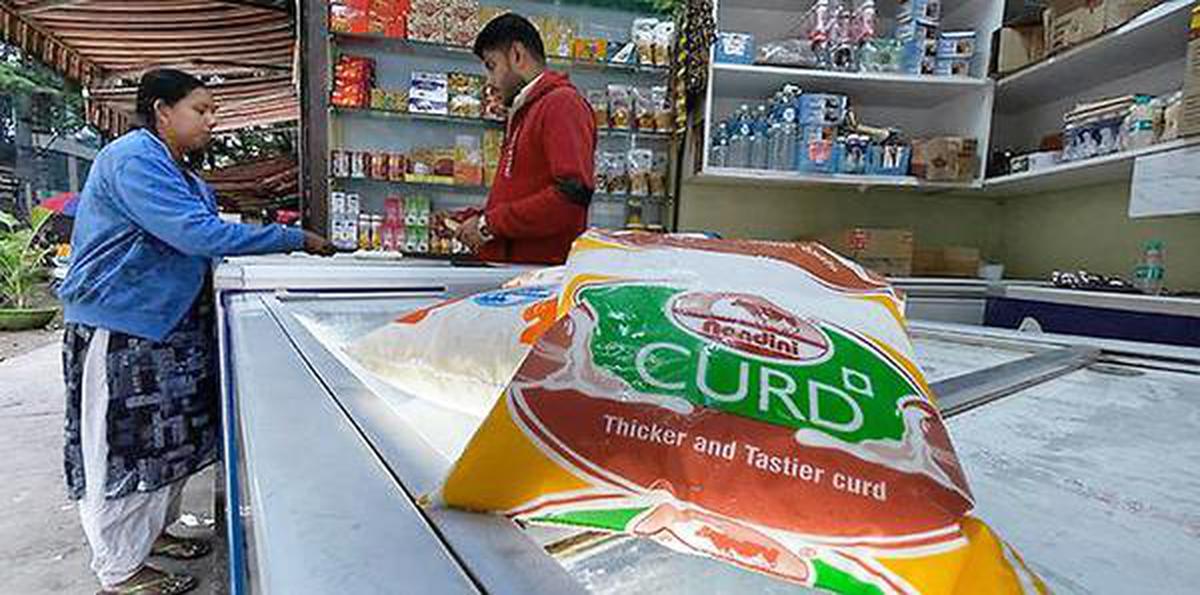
718,155
760,130
741,130
1150,273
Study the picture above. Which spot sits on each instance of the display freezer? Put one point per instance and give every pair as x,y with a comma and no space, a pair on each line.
1081,452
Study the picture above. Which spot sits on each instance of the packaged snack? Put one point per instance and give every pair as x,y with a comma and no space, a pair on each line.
598,98
641,164
929,11
643,37
429,93
618,172
663,117
633,214
754,402
397,167
379,166
468,160
658,174
493,104
348,16
620,107
664,42
443,164
644,109
603,172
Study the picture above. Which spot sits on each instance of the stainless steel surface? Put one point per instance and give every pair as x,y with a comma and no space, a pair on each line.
327,515
975,389
492,549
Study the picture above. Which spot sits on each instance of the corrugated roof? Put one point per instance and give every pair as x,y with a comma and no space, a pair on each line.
247,187
107,45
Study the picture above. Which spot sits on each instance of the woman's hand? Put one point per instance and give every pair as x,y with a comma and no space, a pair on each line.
318,245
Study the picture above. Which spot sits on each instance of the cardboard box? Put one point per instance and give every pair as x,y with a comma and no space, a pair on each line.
1014,48
945,159
1069,22
886,251
1119,12
953,261
1189,111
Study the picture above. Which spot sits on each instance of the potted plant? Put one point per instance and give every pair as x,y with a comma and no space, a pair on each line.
22,268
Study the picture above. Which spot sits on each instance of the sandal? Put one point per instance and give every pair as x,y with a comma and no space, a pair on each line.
156,583
180,548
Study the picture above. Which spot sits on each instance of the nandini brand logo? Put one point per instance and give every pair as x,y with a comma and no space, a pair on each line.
750,325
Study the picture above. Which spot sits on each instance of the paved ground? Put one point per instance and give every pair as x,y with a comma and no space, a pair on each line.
42,548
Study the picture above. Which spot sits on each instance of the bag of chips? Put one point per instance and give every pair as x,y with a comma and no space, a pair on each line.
754,402
461,353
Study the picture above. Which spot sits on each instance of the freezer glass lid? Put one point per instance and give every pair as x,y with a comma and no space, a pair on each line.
1090,476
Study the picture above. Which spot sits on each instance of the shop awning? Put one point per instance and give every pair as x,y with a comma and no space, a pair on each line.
243,48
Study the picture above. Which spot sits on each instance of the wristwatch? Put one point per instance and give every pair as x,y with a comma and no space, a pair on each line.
485,232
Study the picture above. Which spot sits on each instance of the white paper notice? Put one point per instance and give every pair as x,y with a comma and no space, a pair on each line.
1166,183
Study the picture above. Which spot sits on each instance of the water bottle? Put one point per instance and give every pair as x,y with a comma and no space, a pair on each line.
741,131
1149,274
758,140
718,155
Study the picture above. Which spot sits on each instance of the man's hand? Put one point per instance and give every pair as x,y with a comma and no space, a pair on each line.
318,245
469,234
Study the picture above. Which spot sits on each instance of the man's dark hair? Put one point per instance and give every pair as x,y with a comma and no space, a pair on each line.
509,28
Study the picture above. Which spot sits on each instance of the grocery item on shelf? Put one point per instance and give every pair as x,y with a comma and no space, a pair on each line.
348,16
734,48
945,159
692,391
353,77
468,160
493,104
620,107
466,94
881,55
887,251
429,93
343,220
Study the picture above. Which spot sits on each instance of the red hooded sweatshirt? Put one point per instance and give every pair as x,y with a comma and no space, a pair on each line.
539,200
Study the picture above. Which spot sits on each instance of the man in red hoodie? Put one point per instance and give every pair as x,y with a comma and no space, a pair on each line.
539,201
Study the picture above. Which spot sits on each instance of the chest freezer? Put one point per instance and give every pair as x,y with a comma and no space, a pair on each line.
1081,452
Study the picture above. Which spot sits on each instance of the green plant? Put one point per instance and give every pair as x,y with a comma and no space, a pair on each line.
22,262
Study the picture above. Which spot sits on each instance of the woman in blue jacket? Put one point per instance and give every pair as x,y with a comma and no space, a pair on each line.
139,349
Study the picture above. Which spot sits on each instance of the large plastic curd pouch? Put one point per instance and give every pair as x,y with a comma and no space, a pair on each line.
753,402
461,353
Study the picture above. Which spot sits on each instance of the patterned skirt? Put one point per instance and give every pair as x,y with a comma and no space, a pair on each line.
164,416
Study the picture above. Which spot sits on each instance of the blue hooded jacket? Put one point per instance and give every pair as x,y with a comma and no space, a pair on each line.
145,237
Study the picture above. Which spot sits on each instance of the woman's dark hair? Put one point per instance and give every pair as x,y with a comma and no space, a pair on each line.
501,32
164,84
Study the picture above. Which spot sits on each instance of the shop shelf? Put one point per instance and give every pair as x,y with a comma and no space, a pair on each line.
455,52
902,90
1079,174
726,175
1154,37
461,121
